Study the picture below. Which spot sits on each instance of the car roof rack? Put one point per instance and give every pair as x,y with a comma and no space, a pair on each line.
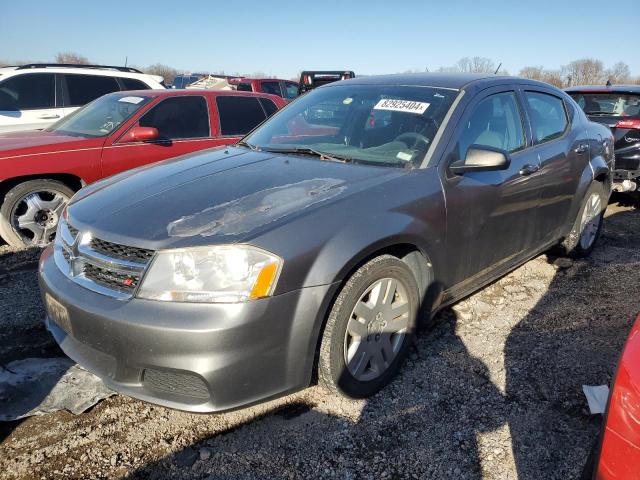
73,65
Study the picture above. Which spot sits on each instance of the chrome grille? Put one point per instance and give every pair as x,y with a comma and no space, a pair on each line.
123,252
104,267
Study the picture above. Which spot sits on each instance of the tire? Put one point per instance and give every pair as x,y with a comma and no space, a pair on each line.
360,360
30,211
576,244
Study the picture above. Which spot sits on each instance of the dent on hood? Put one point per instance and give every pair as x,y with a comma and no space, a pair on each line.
246,213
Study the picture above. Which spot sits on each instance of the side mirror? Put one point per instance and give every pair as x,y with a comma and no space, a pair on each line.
141,134
481,159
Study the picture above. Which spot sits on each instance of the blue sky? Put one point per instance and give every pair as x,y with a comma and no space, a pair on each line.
282,37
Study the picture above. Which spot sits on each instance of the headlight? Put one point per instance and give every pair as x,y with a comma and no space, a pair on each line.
218,274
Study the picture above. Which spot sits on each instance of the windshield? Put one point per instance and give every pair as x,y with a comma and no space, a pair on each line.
609,103
375,124
100,117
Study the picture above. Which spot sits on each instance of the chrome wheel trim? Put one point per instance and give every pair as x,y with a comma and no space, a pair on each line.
376,329
35,216
590,221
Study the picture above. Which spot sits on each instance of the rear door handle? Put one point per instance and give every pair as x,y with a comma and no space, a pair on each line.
529,169
49,116
580,149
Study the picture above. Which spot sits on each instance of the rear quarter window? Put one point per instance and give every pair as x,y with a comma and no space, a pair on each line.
133,84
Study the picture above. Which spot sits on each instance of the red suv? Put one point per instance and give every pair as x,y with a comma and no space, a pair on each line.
41,170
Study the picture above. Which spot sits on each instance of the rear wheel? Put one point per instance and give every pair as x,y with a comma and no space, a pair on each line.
588,224
30,212
369,329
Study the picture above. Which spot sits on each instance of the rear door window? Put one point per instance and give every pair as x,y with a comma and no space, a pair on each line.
178,118
272,88
239,115
32,91
82,89
548,116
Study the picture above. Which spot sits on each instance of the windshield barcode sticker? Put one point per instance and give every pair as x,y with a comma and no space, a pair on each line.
402,106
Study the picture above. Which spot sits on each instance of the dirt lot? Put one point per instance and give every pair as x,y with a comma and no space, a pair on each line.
492,391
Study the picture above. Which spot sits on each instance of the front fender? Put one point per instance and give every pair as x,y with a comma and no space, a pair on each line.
357,242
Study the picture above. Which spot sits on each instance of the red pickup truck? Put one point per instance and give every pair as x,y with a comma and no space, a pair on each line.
41,170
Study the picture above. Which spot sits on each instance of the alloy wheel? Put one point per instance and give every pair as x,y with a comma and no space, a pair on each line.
590,222
35,216
376,329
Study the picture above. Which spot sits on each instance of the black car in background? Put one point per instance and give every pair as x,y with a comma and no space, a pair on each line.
310,79
618,107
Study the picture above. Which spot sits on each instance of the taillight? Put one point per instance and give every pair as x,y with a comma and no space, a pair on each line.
631,124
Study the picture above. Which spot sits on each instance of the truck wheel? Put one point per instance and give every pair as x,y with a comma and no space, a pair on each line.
587,226
369,329
30,211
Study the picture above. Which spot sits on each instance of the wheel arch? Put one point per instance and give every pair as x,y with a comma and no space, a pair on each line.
74,182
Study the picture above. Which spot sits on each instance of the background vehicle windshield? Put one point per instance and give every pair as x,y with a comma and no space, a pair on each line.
102,116
385,125
609,104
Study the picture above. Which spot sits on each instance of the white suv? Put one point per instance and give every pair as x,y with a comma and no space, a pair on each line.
34,96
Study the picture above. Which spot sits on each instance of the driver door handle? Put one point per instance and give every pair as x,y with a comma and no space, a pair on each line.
529,169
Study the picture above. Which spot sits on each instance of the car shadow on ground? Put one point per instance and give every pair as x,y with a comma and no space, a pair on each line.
430,421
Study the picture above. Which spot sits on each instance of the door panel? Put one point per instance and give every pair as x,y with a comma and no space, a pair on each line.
491,215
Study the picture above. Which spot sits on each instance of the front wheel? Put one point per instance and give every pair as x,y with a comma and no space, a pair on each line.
369,329
30,212
588,224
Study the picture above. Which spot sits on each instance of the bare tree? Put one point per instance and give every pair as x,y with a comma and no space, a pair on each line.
554,77
72,57
586,71
619,73
166,72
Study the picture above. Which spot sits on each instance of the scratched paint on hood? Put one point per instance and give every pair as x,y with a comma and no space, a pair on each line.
247,213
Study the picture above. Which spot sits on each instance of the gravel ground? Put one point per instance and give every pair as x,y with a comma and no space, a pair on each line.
492,390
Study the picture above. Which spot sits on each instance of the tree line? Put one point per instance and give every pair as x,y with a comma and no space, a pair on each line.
584,71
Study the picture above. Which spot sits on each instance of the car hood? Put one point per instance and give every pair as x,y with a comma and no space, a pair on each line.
39,141
219,196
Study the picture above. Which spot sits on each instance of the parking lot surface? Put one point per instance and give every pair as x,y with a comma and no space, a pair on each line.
492,390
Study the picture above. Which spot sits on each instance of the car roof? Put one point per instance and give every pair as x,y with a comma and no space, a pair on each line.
455,81
604,89
170,92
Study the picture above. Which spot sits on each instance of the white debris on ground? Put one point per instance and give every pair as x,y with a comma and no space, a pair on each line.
36,386
596,397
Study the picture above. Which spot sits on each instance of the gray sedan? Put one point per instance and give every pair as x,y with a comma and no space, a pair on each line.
315,245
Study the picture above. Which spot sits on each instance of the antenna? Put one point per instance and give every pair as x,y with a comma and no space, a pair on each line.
126,59
496,72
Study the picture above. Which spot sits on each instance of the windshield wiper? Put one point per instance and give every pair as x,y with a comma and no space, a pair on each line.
250,146
311,151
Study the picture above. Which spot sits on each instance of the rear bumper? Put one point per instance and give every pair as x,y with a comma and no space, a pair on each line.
194,357
627,165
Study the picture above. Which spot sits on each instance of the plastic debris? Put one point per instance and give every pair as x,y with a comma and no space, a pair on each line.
597,397
36,386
